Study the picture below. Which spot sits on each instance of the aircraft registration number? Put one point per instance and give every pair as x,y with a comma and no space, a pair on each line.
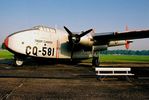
45,51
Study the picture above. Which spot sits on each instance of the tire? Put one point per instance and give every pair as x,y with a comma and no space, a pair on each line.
18,61
95,61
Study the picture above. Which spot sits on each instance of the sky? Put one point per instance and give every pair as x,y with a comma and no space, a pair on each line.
77,15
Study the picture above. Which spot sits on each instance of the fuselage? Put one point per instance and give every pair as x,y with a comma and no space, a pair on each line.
47,43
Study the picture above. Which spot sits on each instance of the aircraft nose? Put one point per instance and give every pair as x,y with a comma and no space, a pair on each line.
6,42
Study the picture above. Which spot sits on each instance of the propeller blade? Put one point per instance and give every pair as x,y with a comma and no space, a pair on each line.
86,32
68,31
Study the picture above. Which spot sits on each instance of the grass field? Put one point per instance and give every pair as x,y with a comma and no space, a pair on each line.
103,58
124,58
5,54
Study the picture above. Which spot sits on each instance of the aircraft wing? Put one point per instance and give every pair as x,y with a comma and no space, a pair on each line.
104,38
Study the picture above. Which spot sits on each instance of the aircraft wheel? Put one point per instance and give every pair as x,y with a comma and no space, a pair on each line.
18,62
95,61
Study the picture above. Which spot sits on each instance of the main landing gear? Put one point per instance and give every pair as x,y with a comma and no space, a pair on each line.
95,61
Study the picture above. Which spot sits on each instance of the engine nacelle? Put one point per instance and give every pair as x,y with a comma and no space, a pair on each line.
86,40
118,43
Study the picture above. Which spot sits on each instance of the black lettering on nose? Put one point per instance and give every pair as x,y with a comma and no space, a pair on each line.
35,49
28,50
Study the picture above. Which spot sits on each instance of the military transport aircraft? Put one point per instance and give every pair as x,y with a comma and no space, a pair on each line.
53,43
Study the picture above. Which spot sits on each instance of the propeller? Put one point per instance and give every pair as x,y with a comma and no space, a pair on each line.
74,39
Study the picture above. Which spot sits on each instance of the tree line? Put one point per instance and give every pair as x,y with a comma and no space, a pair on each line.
126,52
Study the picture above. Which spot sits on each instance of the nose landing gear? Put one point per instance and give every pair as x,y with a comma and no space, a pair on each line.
18,60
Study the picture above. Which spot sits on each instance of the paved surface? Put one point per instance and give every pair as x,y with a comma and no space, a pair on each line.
69,82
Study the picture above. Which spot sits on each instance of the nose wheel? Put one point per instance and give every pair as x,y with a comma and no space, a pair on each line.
18,61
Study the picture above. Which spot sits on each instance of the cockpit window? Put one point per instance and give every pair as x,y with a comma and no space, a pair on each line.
44,28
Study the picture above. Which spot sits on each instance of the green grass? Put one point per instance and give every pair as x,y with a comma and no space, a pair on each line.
5,54
124,58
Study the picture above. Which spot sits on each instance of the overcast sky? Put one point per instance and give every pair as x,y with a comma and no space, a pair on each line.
78,15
